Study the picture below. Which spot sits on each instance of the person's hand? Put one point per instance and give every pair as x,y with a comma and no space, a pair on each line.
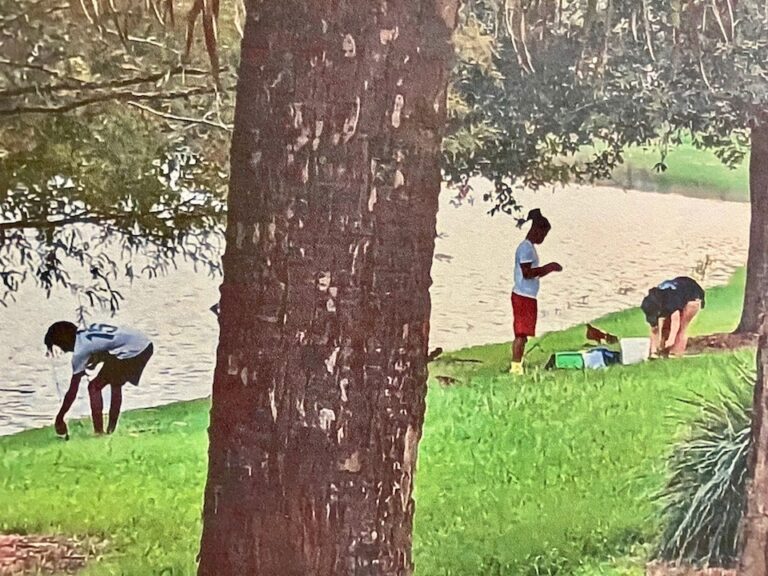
555,267
61,428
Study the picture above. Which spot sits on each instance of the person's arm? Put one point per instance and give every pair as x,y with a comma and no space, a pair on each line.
530,272
66,404
674,327
656,338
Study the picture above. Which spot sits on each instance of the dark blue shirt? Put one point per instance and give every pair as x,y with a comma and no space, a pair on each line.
669,297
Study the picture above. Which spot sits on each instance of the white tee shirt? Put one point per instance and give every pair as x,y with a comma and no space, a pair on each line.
526,253
120,342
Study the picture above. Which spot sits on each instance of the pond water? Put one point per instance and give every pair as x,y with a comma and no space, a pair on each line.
613,245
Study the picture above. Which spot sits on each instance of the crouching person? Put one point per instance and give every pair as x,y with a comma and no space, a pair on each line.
669,309
124,353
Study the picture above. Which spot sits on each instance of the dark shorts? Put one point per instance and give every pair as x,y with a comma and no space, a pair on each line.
117,371
524,311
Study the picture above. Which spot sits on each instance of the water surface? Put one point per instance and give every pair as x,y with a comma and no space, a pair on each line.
613,246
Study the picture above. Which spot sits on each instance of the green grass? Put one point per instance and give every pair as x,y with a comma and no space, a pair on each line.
690,172
141,489
516,476
559,466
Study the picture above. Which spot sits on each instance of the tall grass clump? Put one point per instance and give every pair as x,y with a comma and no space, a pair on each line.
705,496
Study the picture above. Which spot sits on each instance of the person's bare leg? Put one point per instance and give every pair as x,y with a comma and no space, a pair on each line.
686,317
114,407
518,348
97,404
674,329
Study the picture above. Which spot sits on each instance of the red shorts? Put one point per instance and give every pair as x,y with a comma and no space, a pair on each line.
524,311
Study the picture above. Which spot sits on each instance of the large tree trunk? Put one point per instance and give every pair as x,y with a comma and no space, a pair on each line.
318,396
757,261
754,555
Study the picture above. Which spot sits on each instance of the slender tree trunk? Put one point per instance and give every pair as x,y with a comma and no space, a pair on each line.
318,395
754,555
757,262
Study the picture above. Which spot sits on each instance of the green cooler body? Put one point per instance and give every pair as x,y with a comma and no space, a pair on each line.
572,360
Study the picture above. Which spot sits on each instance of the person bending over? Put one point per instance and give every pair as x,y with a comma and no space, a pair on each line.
124,353
669,309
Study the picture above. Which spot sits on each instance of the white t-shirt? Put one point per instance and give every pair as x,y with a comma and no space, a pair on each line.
526,253
120,342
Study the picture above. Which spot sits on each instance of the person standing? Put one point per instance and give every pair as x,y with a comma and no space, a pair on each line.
526,288
124,353
669,309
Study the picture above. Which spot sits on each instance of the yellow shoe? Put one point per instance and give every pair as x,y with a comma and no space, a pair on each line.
517,369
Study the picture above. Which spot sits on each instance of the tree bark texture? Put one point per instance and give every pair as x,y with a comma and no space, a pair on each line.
754,554
319,389
757,261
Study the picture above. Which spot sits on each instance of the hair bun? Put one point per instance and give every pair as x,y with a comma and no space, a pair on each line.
535,215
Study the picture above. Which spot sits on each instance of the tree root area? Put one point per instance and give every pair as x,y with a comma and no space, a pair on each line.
39,554
721,342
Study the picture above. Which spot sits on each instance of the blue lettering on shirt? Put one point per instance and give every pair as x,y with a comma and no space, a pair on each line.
105,331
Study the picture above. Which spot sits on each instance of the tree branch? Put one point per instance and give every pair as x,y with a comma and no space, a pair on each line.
109,96
103,218
647,27
117,83
185,119
147,41
27,66
82,218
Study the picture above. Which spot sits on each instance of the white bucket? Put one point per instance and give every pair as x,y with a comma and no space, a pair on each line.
635,350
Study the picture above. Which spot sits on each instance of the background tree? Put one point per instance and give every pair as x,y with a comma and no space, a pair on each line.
114,144
560,90
545,92
754,554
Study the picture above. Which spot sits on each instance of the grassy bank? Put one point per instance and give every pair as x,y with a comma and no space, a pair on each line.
516,476
556,470
691,172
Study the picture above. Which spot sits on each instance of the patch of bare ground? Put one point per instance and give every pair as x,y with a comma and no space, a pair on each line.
721,342
22,555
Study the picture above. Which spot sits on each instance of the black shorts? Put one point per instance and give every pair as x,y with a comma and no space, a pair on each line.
117,371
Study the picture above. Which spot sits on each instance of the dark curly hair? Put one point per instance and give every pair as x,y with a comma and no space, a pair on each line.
651,306
61,334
